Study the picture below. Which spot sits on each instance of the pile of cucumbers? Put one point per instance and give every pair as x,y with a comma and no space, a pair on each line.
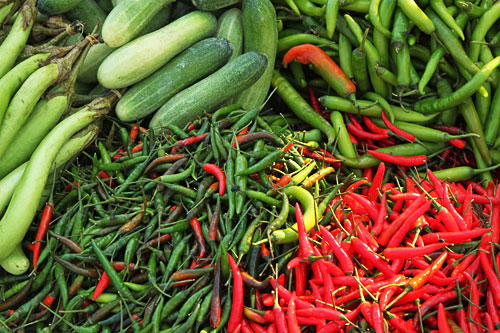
176,61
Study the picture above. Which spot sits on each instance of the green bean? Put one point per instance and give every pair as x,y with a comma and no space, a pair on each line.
14,44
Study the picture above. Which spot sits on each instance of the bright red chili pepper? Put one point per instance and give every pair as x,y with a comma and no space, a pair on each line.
314,102
291,316
395,129
101,285
410,252
491,276
48,301
219,174
344,260
373,127
134,131
245,327
376,182
408,224
442,322
365,252
454,237
191,140
42,230
364,135
237,305
279,319
324,65
398,160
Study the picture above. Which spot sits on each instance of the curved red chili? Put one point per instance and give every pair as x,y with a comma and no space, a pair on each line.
326,67
219,174
237,305
396,130
42,230
398,160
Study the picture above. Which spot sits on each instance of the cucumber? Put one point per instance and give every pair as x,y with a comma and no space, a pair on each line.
195,63
89,12
54,7
260,33
93,60
106,5
128,18
143,56
16,263
213,4
229,27
158,21
205,95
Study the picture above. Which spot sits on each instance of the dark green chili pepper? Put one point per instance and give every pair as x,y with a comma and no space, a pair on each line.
245,120
253,261
204,309
34,301
400,46
176,255
183,190
262,164
282,216
226,312
102,312
188,305
114,278
240,181
156,319
62,284
18,298
223,111
239,231
88,272
471,118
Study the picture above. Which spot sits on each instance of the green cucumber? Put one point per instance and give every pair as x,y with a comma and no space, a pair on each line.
128,18
89,12
94,59
193,64
143,56
54,7
229,27
260,33
106,5
205,95
158,21
213,4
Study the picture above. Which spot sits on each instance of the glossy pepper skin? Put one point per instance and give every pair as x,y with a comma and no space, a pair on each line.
326,67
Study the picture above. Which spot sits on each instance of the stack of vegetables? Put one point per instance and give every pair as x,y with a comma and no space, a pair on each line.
173,165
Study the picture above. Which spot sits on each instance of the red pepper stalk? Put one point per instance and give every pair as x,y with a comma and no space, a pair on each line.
325,66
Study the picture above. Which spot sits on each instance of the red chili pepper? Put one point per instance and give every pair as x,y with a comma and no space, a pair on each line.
365,252
362,134
398,222
254,316
378,224
191,127
291,316
442,322
237,306
101,285
324,65
279,319
198,234
366,204
353,139
491,276
376,182
314,102
134,131
408,224
424,276
137,148
48,301
373,127
306,152
410,252
397,130
219,174
191,140
454,237
344,259
398,160
459,143
287,295
245,327
284,180
42,230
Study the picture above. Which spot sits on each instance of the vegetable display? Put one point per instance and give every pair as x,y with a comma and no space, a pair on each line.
249,166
